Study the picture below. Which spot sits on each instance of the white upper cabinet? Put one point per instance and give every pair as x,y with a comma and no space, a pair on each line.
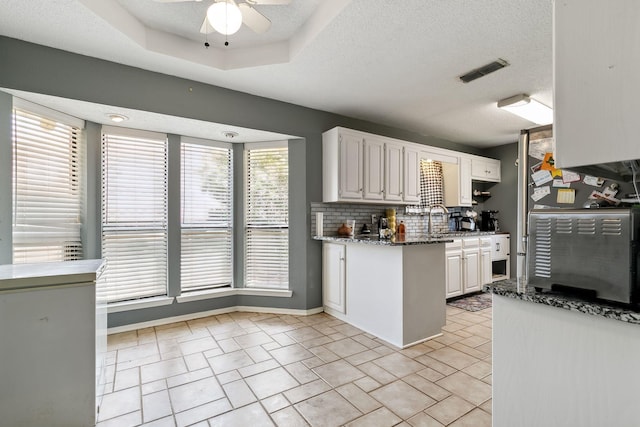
457,183
485,169
596,62
393,172
350,161
411,187
362,167
342,171
374,169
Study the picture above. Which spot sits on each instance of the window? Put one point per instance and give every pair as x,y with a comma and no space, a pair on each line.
134,213
267,216
207,200
47,191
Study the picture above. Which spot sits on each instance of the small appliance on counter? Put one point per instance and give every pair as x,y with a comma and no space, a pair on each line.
489,221
468,221
593,252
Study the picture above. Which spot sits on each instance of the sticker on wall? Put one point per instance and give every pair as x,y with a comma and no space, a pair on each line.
559,183
566,196
593,181
540,192
541,177
549,164
539,147
569,176
596,195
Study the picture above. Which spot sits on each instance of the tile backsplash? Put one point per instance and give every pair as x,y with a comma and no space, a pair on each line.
336,214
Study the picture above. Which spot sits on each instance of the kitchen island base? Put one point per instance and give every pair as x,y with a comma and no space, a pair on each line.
556,367
396,293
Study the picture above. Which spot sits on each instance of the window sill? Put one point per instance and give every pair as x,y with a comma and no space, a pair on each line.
219,293
118,307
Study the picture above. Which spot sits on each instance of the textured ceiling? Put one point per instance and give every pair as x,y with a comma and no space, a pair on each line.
395,63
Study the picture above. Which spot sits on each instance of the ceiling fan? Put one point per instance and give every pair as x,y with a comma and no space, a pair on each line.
226,16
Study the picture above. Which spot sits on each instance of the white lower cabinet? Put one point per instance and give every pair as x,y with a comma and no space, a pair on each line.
468,265
453,256
333,276
471,264
486,266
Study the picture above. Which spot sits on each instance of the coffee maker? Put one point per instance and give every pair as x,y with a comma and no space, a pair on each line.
489,221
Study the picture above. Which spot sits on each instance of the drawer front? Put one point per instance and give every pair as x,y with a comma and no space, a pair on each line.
470,242
456,244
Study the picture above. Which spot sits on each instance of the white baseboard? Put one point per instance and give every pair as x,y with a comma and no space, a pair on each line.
200,314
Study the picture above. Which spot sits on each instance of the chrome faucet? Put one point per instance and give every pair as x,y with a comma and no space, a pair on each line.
435,205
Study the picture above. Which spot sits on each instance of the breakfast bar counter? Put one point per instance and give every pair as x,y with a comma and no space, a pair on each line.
560,360
393,289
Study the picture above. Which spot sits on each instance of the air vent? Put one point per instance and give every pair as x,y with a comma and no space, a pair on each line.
564,225
586,226
484,70
611,227
542,248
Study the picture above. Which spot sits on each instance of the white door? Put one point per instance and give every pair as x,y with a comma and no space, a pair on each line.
454,273
333,276
373,169
350,181
393,172
411,182
471,269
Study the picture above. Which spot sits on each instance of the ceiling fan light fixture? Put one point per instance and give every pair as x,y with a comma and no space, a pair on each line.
527,108
225,17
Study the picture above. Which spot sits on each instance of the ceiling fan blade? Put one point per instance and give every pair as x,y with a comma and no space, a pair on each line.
206,27
254,19
274,2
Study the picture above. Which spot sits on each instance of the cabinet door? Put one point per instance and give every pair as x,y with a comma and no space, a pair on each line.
486,266
411,182
333,276
393,172
596,62
471,270
373,169
485,169
350,181
454,273
465,182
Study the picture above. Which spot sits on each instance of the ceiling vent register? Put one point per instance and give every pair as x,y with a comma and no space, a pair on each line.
484,70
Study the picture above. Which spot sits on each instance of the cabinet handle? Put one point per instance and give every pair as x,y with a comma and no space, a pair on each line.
497,247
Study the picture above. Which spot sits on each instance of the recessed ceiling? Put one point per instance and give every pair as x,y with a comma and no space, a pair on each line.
394,63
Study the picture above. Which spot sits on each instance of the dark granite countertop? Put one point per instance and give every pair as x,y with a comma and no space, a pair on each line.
507,288
394,241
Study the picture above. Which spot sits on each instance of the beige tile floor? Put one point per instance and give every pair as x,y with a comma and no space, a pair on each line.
250,369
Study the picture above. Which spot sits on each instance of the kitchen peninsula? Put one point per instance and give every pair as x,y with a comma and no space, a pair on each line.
560,360
393,289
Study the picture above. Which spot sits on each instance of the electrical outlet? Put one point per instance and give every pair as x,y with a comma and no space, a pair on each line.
374,219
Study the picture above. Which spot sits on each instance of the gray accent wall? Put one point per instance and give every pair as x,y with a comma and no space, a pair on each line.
6,177
39,69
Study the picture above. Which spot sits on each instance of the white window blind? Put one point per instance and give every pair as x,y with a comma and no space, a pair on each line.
47,189
134,213
267,217
207,200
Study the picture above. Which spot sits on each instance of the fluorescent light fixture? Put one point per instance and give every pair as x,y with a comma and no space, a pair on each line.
225,17
527,108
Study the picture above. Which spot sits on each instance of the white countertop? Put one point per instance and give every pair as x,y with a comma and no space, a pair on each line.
24,276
